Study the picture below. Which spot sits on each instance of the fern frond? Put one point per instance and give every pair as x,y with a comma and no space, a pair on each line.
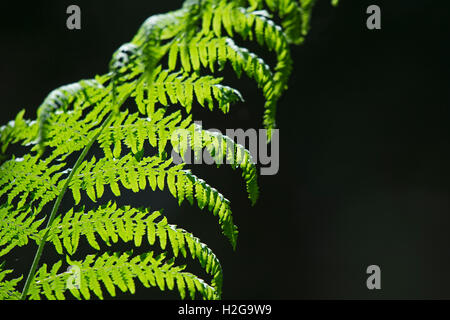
158,130
216,52
294,17
118,270
68,132
31,179
257,25
172,88
133,174
58,101
161,27
172,60
17,130
16,227
190,187
133,131
8,288
129,224
222,149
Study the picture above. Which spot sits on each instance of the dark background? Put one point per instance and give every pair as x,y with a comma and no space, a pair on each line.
364,146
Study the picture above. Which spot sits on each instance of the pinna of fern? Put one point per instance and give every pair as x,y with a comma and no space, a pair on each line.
173,61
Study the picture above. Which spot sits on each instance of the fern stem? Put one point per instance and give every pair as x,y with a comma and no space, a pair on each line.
52,217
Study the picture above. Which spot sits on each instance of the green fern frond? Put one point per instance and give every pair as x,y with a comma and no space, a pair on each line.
117,270
134,131
58,101
252,25
173,60
133,174
17,130
222,149
16,227
130,225
8,288
31,179
292,14
172,88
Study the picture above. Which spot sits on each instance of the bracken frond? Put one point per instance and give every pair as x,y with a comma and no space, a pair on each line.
139,115
8,288
116,270
110,224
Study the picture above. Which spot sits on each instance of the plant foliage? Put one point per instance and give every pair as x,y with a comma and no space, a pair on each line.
135,113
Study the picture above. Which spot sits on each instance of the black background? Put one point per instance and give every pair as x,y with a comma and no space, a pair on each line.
364,146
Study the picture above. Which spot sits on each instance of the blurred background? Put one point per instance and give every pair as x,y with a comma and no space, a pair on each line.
364,158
